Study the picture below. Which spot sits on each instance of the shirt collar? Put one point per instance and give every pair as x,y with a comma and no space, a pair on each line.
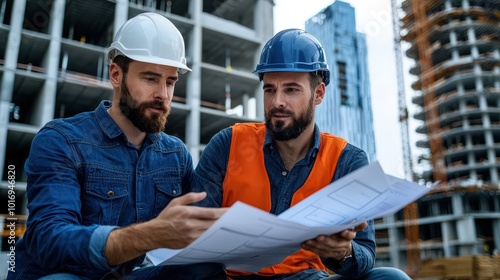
315,148
110,127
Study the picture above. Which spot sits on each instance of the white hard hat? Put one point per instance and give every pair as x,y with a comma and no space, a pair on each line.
151,38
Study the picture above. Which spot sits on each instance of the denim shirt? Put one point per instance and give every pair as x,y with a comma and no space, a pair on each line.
84,180
210,173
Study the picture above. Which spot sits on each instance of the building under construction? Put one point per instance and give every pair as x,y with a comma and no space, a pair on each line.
455,45
52,65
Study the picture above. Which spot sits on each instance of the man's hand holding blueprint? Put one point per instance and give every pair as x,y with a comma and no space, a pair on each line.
249,239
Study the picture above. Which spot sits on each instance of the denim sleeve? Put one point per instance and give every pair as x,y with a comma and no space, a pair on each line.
98,245
210,172
55,238
363,246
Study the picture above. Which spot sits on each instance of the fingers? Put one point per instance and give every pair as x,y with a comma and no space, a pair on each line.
349,234
188,198
328,246
192,212
208,213
333,245
180,211
361,226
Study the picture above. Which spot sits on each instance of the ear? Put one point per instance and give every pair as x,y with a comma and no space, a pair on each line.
319,93
115,75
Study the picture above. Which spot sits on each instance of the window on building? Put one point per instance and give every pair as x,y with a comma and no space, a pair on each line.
342,82
445,205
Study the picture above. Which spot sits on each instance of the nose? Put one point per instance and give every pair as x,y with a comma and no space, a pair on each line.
164,93
279,99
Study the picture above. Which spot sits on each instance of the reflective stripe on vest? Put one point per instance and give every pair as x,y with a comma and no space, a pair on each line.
247,181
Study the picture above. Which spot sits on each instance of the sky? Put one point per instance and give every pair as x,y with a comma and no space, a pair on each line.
374,19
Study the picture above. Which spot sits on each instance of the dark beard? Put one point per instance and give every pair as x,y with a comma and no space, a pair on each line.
281,133
136,112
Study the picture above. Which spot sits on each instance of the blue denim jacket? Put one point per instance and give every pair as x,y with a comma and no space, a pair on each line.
84,180
210,173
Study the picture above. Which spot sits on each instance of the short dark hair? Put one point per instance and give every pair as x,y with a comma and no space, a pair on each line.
314,80
123,62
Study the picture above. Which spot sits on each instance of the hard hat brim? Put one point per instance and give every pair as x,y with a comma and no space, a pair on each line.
290,67
162,61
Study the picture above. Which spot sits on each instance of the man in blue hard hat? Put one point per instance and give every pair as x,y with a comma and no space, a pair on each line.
276,164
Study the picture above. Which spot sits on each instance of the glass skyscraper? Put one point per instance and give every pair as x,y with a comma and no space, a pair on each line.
346,110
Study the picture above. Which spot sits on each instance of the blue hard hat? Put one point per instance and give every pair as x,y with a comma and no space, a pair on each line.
293,50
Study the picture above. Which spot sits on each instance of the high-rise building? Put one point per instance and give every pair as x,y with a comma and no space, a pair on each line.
456,48
458,68
455,45
52,65
346,110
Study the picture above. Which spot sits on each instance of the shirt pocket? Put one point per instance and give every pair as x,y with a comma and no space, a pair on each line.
104,198
167,188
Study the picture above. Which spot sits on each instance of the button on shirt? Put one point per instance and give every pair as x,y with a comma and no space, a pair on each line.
84,180
211,169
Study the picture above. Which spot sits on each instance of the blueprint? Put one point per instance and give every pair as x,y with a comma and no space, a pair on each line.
249,239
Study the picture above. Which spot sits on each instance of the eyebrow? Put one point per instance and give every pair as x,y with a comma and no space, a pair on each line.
290,84
173,78
155,74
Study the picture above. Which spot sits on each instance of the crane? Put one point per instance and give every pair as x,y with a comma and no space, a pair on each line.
421,31
403,110
411,211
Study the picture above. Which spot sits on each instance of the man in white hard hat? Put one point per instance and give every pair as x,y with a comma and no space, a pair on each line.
107,186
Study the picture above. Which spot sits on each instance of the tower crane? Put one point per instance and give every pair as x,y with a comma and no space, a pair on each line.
403,110
411,211
419,28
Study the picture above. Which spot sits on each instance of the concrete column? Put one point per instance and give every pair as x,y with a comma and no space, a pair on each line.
193,88
3,7
121,15
460,89
465,228
497,71
457,205
393,241
465,4
461,103
496,233
453,42
471,162
264,30
466,231
494,173
448,6
492,160
46,102
447,230
471,37
264,10
9,74
259,103
244,102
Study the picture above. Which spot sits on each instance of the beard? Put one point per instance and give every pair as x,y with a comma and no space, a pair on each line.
280,132
137,112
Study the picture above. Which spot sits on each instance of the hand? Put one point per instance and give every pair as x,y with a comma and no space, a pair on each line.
179,224
176,226
335,246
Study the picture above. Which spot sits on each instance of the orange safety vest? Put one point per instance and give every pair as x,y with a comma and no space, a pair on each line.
247,181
